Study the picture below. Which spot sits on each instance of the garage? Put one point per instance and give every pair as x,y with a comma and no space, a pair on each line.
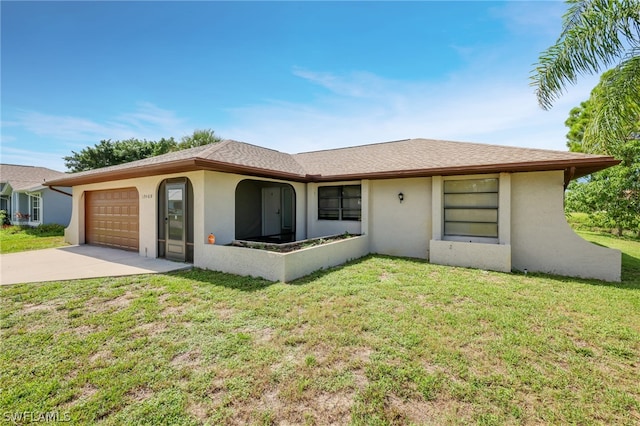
111,218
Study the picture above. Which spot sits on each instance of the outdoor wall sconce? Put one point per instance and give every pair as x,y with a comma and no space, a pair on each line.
401,197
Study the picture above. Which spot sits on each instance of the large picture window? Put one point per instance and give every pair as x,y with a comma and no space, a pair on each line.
340,202
471,208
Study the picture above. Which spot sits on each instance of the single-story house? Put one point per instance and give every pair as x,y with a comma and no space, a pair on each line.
452,203
28,201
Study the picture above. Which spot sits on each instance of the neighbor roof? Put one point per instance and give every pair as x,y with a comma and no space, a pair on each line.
22,178
404,158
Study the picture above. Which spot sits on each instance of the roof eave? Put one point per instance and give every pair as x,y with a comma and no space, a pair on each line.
218,166
583,167
178,166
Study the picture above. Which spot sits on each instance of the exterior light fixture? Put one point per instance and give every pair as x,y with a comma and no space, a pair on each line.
401,197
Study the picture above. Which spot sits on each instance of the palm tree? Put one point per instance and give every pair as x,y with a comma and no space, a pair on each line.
597,34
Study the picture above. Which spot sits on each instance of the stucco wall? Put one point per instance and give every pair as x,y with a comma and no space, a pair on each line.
541,238
213,205
493,257
283,267
219,191
148,207
531,220
400,229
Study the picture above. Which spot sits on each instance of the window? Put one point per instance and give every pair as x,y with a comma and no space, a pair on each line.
339,202
4,204
35,203
471,208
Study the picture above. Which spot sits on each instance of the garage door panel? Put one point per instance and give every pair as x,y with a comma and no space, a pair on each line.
112,218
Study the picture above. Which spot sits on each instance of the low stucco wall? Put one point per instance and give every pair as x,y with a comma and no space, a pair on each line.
543,241
283,267
493,257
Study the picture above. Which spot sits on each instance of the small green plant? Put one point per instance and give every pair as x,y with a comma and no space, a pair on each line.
4,218
50,229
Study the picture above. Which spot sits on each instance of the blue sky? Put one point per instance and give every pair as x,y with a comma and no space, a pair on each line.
292,76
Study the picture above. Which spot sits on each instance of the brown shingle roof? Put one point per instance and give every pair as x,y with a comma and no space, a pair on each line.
410,157
26,177
431,157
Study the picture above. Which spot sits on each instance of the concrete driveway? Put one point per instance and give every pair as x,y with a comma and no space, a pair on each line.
78,262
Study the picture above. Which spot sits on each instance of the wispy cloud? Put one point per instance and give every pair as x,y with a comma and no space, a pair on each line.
146,121
51,160
542,17
498,110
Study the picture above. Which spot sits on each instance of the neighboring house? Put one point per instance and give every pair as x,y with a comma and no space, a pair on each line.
28,201
453,203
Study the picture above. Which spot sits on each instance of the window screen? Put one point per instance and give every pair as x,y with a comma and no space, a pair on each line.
339,202
471,208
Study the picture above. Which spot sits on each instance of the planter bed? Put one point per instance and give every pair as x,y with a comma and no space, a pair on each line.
280,265
291,246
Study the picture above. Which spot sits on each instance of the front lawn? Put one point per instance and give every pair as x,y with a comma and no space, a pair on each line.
22,238
379,341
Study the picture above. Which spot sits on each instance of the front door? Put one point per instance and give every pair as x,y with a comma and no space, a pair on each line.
175,221
271,212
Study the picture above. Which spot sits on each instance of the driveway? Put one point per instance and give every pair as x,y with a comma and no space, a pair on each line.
78,262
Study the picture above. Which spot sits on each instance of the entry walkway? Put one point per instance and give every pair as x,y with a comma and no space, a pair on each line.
78,262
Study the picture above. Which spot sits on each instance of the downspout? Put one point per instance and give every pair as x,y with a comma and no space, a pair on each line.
568,176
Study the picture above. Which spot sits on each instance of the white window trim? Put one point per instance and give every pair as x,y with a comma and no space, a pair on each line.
32,196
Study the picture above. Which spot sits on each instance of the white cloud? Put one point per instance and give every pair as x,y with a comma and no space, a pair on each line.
51,160
499,110
147,121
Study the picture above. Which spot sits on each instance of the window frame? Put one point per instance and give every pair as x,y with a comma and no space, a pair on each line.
35,205
494,238
340,198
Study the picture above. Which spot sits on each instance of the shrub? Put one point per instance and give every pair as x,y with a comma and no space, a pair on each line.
4,218
49,230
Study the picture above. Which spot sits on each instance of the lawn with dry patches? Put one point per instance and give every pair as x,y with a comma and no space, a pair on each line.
379,341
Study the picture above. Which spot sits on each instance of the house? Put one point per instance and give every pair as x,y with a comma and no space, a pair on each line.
453,203
28,201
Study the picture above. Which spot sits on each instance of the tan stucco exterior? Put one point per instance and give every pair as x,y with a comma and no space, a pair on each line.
533,233
543,241
400,228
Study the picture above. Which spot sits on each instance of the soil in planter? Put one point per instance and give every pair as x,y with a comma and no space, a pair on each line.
296,245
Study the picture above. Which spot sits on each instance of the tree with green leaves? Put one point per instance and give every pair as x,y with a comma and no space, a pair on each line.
199,138
611,197
110,153
597,34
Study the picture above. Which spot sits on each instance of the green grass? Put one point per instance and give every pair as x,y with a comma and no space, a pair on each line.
582,222
15,239
379,341
630,252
